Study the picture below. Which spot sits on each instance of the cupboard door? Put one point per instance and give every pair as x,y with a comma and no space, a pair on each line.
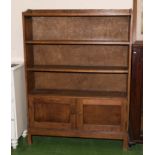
101,114
51,112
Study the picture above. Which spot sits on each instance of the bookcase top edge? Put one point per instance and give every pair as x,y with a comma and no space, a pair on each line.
78,12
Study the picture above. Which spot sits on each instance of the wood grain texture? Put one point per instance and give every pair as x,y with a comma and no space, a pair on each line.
78,68
129,76
81,28
77,93
78,133
81,55
76,42
102,114
77,12
81,81
28,59
97,114
136,104
51,112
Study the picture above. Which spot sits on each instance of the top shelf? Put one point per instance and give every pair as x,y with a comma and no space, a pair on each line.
88,12
100,42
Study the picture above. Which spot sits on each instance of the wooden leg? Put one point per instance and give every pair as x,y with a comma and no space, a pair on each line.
29,139
125,142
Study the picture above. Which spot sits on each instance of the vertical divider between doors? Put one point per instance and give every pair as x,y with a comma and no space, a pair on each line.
79,114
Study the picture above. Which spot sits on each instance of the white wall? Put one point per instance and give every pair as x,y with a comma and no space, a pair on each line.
21,5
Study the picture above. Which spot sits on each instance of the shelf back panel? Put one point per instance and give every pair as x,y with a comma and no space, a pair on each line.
81,55
81,28
80,81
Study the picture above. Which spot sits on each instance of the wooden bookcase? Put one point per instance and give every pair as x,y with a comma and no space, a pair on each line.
78,66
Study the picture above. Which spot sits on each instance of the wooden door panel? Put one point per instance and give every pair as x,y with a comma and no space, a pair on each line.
101,114
52,112
47,112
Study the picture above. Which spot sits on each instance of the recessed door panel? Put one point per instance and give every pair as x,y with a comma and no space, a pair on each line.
52,112
101,114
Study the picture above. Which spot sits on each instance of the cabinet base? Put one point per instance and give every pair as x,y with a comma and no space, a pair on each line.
81,134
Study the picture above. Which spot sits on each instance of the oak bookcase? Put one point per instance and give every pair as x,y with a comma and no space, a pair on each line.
78,66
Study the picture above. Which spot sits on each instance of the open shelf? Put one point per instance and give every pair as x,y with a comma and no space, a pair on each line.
79,69
77,42
78,93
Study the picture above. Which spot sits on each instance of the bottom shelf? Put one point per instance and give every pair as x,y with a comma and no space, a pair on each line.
78,93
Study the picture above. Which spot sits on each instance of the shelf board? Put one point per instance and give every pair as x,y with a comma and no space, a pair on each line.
94,42
79,69
81,13
77,93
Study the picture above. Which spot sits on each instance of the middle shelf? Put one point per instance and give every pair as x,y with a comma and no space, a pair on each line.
78,93
79,69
